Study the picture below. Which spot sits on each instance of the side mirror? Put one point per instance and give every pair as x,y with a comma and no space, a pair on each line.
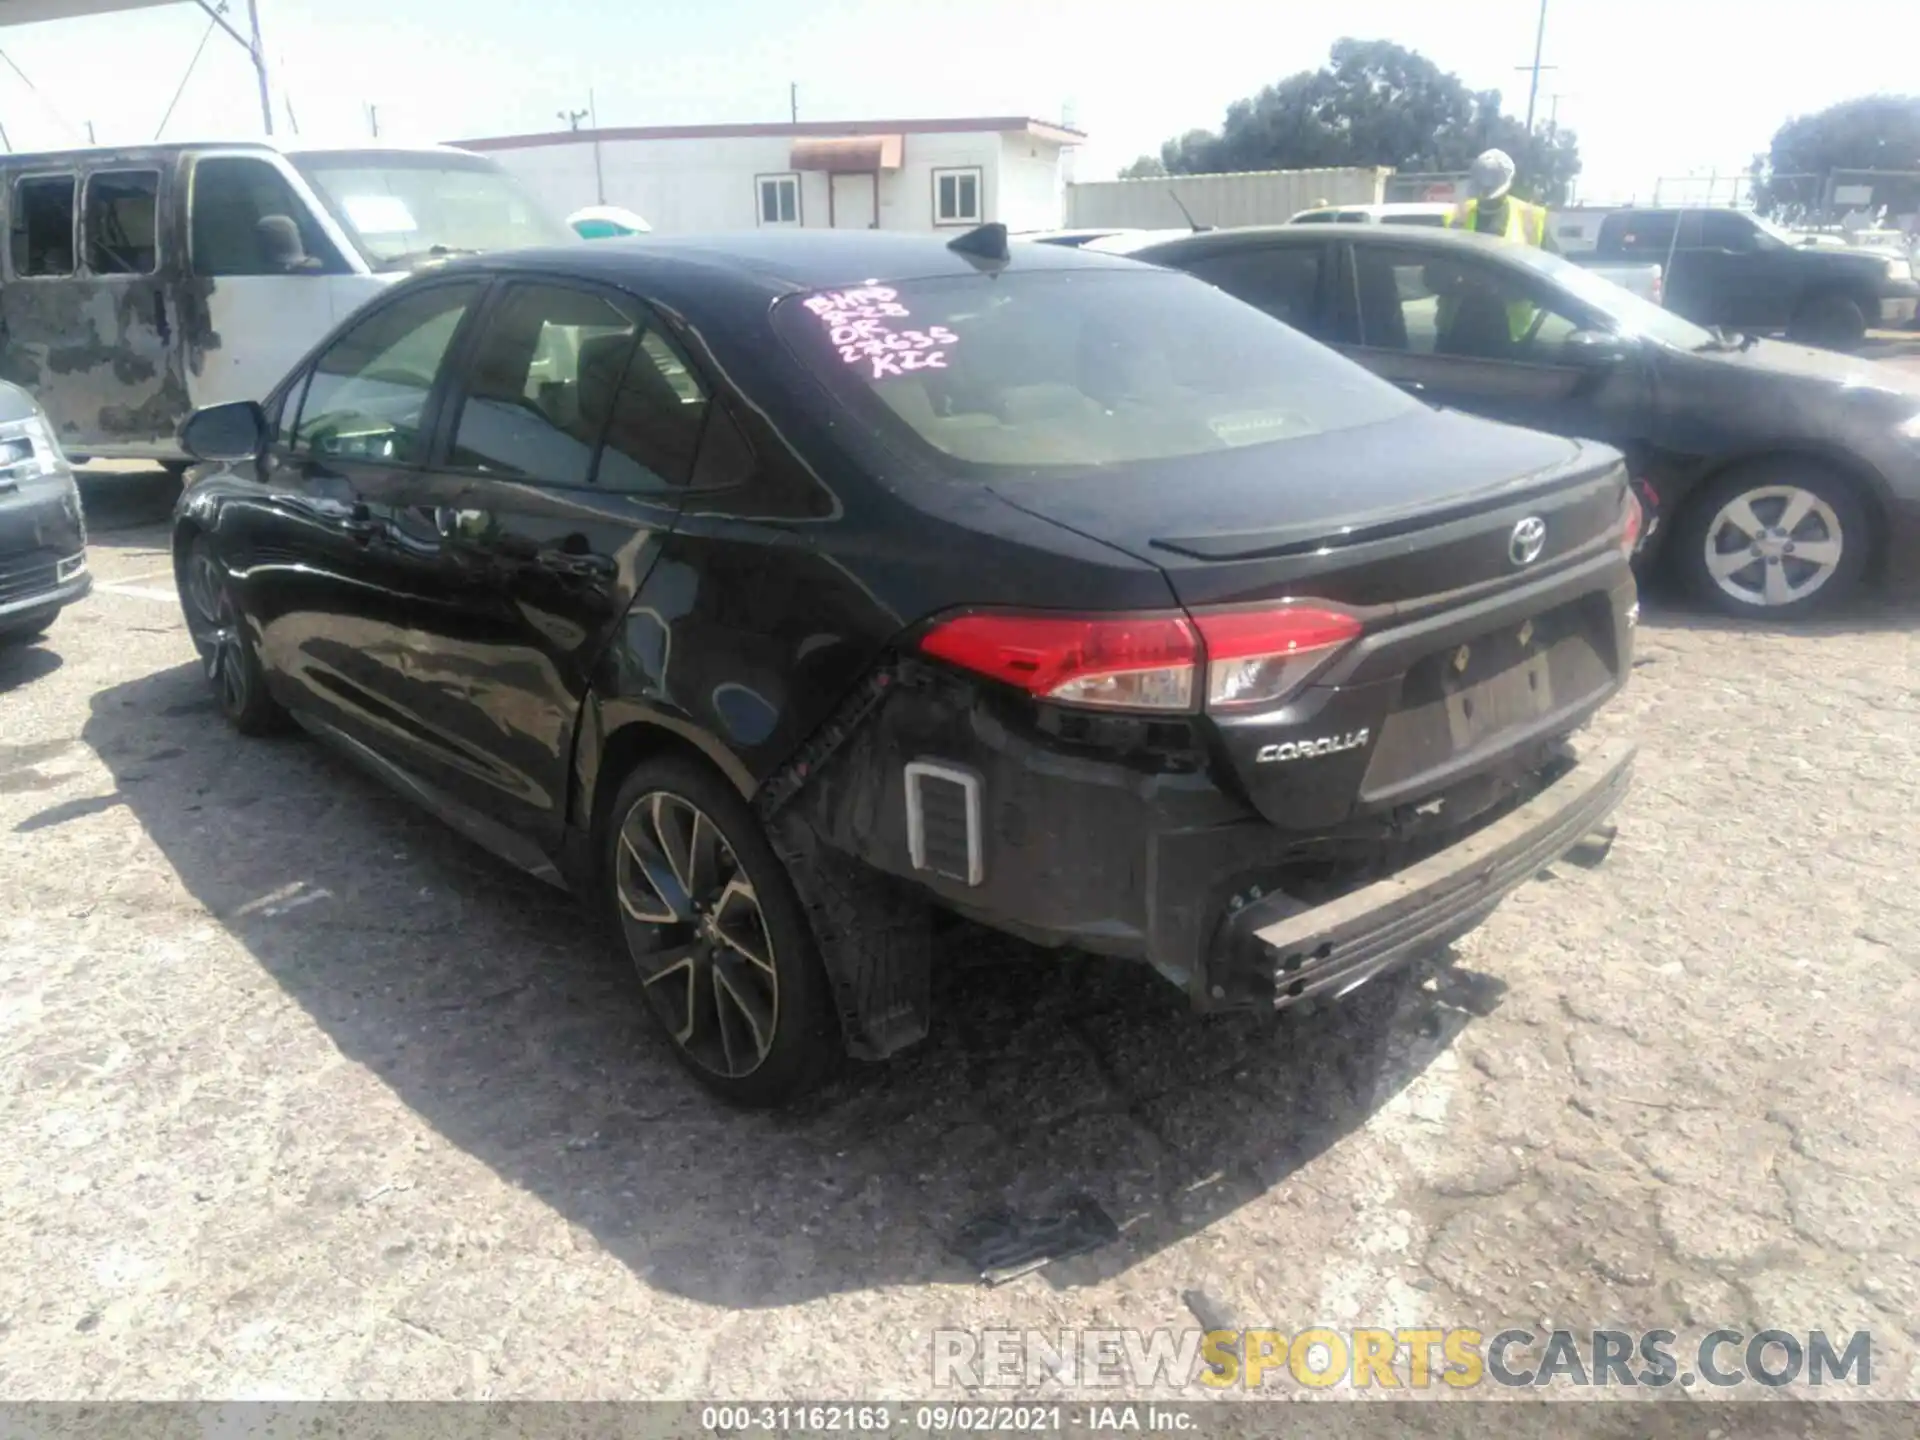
1597,347
226,433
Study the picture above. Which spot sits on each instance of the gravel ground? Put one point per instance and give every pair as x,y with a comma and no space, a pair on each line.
306,1097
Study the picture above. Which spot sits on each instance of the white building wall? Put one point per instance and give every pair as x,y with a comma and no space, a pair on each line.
710,184
1033,184
1270,197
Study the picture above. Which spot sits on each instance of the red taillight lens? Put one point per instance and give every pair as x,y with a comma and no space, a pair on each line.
1125,662
1148,662
1258,657
1636,518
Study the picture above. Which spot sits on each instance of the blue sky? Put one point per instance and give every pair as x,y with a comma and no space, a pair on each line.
1654,87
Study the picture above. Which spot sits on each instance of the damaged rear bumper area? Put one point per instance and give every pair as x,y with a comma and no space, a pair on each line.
1109,835
1273,950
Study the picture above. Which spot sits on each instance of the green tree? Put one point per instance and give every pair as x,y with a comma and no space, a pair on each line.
1374,103
1874,132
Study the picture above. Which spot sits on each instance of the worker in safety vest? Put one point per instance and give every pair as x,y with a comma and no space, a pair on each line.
1491,209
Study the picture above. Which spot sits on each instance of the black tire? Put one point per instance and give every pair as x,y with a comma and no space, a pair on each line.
733,976
1831,321
218,626
1828,525
22,629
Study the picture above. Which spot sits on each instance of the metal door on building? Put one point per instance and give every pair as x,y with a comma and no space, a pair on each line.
854,201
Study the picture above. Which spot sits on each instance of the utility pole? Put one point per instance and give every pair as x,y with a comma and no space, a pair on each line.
260,64
90,139
373,120
793,102
573,118
599,176
1539,44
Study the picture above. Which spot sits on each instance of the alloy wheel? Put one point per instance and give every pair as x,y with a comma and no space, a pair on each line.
217,632
697,934
1773,546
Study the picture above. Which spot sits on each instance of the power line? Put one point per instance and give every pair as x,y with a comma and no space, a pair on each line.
188,75
1539,43
37,95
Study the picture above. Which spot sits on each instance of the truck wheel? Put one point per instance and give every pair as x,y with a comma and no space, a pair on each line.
1777,540
1832,322
711,922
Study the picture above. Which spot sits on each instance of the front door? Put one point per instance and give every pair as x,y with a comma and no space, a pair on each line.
566,450
90,308
275,279
855,201
1467,332
333,585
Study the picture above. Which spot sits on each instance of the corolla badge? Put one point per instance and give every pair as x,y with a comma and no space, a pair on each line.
1311,749
1529,538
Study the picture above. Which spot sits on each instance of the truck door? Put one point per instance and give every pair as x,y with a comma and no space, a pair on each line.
90,315
274,273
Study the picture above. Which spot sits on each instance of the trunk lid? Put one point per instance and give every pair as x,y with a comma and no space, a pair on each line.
1475,648
1402,513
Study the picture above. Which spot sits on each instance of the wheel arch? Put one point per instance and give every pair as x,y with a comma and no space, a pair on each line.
617,735
1867,481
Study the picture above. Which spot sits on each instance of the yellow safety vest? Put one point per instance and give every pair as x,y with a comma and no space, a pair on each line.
1526,225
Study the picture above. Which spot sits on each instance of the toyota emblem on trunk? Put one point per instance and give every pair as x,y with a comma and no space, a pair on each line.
1529,538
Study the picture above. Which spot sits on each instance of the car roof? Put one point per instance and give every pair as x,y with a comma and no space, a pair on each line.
1210,242
776,262
27,159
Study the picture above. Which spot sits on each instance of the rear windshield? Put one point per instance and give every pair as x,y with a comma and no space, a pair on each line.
1074,369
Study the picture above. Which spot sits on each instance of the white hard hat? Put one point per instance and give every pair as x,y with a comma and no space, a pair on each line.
1491,175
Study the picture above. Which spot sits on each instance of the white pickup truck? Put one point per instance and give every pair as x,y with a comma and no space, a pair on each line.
1644,280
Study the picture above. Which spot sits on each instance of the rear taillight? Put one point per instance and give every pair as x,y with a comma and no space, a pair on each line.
1124,662
1233,659
1259,657
1636,517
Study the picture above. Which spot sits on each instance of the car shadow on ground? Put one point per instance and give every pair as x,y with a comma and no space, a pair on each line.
493,1008
23,661
123,505
1669,606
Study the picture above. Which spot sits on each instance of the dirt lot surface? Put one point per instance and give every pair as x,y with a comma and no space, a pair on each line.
304,1096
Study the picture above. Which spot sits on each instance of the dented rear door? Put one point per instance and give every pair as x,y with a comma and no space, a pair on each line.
92,299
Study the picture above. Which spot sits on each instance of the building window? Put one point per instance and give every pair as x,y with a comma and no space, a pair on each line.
956,196
779,199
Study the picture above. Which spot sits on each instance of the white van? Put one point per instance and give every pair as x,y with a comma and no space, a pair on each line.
138,284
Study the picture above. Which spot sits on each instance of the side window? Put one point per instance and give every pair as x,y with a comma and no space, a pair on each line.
1284,281
1444,306
369,391
656,422
41,238
246,220
1641,234
1723,230
542,385
288,414
121,222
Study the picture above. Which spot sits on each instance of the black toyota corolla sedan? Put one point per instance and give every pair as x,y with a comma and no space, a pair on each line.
1781,477
770,590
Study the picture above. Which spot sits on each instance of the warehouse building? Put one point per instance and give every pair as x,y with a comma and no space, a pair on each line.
928,175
